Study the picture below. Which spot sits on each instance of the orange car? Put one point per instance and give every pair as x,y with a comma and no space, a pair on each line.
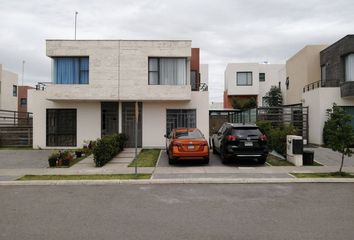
186,143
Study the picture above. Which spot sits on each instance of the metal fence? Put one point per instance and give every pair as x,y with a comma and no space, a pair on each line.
285,115
16,129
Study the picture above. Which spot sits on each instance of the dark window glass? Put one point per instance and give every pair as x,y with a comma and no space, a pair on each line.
246,132
23,101
61,127
14,90
189,134
261,77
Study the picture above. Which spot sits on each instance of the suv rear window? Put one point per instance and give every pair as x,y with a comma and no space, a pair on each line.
189,134
246,132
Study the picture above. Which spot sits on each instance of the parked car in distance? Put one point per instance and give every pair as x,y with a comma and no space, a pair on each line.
186,144
233,141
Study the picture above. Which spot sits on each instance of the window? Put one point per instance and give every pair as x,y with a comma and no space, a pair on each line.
323,73
61,127
349,68
244,78
287,82
167,71
71,70
14,90
180,118
23,101
262,77
279,85
194,82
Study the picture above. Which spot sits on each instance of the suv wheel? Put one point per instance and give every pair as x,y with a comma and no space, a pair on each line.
262,160
214,149
224,160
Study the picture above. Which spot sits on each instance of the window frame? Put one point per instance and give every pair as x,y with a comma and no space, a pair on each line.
80,71
14,90
73,132
246,72
263,78
158,70
23,101
181,112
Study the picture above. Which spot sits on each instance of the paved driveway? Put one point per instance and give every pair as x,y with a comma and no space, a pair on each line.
330,158
20,159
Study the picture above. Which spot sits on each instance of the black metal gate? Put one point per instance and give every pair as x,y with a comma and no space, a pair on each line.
128,123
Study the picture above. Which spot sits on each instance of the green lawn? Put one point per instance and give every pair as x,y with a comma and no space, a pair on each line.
323,175
147,158
85,177
16,148
275,161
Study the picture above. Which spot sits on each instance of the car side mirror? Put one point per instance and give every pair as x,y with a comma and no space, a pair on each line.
165,135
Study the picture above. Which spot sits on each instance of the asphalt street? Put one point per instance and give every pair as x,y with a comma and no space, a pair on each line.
178,211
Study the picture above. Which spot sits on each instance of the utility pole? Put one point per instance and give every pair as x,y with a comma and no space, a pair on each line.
75,22
136,136
23,70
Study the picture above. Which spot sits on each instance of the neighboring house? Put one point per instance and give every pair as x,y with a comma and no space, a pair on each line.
320,76
22,98
96,84
204,74
8,90
251,80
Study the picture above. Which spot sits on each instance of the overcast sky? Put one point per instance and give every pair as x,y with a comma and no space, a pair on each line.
224,30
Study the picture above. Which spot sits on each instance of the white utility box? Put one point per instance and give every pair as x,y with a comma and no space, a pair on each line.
294,149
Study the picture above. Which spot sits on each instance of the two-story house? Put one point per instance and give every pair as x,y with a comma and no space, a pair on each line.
8,90
96,84
251,80
317,77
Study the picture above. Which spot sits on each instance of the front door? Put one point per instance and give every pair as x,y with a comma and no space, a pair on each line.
128,123
109,118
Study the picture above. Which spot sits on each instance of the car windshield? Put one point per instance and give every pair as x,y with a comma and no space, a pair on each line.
189,134
246,132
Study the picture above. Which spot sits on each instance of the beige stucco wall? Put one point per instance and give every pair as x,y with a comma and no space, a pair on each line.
154,118
301,69
118,69
204,73
318,100
88,118
7,100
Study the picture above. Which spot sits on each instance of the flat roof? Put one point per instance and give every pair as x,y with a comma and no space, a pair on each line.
115,40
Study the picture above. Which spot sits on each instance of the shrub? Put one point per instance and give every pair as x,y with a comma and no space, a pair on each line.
276,135
107,147
53,158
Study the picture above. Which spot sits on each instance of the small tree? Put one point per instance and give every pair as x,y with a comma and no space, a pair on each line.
339,132
274,98
243,103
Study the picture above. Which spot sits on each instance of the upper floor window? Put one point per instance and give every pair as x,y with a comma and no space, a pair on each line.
71,70
244,78
167,71
349,67
14,90
23,101
262,77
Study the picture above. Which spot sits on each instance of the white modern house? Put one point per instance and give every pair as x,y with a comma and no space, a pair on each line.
251,80
8,90
96,83
317,77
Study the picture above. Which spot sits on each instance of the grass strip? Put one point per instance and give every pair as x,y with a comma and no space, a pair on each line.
275,161
16,148
146,158
85,177
323,175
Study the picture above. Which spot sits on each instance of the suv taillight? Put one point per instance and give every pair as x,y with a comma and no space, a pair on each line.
176,144
231,138
263,138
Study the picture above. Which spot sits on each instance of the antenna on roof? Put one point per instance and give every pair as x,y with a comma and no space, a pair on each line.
75,22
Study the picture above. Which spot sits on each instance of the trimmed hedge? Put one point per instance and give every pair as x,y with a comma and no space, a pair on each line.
107,147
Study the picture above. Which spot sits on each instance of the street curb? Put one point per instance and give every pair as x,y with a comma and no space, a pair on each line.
176,181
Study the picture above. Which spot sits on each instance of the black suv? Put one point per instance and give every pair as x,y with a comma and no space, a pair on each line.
240,141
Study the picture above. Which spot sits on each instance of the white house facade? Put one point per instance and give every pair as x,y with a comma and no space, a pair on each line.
96,85
8,90
251,80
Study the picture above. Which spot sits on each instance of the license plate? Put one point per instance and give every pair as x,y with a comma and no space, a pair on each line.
190,147
248,144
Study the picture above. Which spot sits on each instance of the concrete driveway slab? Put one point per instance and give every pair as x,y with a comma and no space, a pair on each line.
19,159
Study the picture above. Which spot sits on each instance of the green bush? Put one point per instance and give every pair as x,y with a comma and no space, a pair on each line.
276,135
107,147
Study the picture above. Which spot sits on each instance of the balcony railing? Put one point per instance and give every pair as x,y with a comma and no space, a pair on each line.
321,84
